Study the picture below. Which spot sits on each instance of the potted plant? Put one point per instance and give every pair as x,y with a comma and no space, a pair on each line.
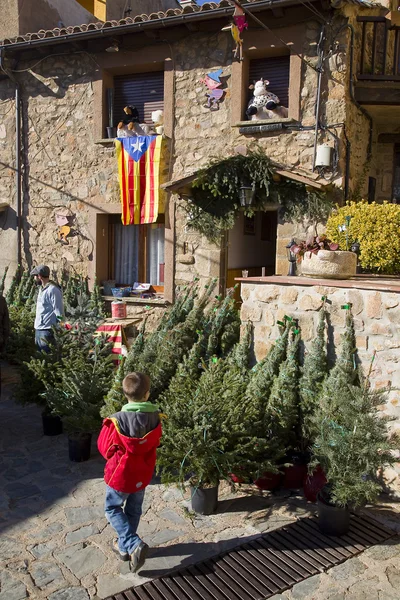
84,377
351,447
320,257
351,442
193,443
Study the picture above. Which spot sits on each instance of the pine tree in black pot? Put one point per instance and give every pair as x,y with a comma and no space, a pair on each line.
314,372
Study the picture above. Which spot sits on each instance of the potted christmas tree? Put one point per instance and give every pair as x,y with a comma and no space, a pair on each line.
351,442
352,445
76,394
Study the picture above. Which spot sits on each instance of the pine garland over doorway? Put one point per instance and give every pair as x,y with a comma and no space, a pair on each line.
215,201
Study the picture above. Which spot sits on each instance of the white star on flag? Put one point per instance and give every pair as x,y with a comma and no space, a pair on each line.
137,146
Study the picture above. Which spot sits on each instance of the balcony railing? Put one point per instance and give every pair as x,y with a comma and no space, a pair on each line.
380,47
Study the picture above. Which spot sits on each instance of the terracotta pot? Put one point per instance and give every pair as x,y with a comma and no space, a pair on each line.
269,481
314,484
329,264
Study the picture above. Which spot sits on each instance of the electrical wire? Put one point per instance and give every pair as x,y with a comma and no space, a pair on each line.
51,56
264,26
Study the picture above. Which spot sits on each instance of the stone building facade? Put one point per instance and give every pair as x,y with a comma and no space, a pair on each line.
69,167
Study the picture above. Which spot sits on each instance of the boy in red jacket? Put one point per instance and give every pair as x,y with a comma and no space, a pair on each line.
128,441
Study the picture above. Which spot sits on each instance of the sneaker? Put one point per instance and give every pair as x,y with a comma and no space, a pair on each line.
138,556
123,555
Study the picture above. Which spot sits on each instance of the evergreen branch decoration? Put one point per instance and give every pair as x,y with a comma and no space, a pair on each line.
216,194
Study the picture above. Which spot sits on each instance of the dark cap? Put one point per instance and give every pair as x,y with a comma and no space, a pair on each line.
42,270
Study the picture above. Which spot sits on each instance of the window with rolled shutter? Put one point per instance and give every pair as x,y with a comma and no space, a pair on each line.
143,90
276,70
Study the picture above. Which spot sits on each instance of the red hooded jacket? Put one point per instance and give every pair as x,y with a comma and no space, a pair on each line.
130,460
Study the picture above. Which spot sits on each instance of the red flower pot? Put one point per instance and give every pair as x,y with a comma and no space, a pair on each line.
236,478
314,484
269,481
293,476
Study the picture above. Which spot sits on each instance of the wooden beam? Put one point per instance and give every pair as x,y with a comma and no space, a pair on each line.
374,95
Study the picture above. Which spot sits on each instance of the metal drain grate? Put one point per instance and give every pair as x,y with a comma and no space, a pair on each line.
265,566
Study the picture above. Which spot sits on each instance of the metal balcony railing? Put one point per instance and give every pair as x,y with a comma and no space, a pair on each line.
380,47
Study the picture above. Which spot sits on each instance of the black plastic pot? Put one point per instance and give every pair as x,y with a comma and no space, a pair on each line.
204,500
332,520
52,424
79,446
111,132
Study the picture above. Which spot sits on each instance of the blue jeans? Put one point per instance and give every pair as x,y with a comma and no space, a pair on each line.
43,337
125,520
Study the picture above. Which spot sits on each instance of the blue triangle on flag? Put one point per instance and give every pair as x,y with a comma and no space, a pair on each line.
137,146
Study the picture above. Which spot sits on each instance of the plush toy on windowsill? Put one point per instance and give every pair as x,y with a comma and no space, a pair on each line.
157,127
264,105
129,125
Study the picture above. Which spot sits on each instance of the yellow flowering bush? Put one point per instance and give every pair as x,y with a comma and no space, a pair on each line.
377,229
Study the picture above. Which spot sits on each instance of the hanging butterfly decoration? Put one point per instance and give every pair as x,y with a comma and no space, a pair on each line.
236,28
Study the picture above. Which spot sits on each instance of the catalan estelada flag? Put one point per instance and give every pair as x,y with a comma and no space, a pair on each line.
139,171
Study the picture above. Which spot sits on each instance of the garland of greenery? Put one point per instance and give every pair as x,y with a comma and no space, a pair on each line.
215,198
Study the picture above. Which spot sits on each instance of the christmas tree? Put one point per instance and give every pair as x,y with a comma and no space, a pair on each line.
282,415
193,444
96,304
132,360
352,445
263,374
115,398
78,391
345,371
314,372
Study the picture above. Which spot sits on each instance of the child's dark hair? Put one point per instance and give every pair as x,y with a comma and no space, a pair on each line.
135,385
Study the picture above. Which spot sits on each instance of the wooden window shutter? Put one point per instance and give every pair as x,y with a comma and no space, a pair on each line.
276,70
143,90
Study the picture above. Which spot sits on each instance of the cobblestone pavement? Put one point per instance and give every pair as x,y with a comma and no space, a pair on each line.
55,541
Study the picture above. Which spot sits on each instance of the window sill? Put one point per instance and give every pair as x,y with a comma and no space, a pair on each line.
264,122
139,301
105,142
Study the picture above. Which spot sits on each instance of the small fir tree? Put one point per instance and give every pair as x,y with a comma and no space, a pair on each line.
96,304
282,415
345,371
314,372
10,296
193,441
352,445
115,398
132,361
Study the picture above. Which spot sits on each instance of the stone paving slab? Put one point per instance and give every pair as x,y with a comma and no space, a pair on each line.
55,541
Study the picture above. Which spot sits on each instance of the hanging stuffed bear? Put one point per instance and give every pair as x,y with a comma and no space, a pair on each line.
264,105
129,125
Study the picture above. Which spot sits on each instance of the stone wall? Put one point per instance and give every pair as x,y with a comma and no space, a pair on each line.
376,320
66,169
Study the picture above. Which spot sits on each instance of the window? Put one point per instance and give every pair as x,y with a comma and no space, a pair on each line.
136,252
143,90
276,70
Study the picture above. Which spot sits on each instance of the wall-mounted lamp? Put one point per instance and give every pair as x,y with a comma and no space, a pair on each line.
247,193
292,258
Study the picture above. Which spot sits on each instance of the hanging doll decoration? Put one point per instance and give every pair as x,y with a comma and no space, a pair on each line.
264,104
129,124
214,94
236,28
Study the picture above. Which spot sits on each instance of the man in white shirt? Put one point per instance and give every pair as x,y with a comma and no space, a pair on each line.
49,307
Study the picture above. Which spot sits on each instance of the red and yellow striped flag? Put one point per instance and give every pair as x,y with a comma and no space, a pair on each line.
139,172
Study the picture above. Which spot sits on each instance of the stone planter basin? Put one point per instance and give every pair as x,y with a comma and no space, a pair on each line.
329,264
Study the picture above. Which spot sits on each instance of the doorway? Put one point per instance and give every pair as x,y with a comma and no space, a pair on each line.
251,246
